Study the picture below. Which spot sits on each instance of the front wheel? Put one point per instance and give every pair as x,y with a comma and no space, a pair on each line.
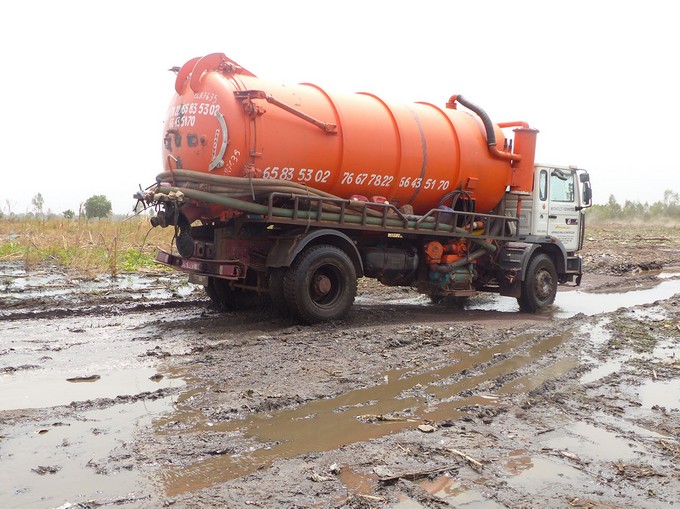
539,288
321,284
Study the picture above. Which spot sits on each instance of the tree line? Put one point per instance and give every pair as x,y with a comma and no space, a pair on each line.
669,207
96,206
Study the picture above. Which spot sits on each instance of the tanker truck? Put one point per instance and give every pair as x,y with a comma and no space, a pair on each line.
292,193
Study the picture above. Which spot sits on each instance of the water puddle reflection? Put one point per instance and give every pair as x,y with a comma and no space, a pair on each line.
324,425
452,492
85,458
572,303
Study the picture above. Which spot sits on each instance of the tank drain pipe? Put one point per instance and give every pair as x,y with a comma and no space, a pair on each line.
449,267
488,127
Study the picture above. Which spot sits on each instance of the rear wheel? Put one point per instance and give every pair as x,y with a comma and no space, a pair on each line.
276,290
540,285
222,295
321,284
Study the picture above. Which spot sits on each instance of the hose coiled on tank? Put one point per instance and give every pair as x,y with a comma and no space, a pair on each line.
257,208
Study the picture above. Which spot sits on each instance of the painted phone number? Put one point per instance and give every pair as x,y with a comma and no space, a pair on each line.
377,180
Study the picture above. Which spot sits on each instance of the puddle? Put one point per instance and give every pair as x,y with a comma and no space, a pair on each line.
530,382
588,441
42,355
601,370
78,450
38,390
597,333
668,351
547,475
568,304
452,492
660,393
355,482
457,494
638,430
323,425
669,272
519,460
19,286
571,303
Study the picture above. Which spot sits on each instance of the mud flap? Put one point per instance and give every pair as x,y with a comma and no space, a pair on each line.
512,260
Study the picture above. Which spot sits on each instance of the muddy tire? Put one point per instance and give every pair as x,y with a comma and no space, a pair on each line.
276,291
222,296
540,285
321,284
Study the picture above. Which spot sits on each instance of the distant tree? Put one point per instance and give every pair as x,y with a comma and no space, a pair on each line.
670,197
614,207
38,203
69,214
97,206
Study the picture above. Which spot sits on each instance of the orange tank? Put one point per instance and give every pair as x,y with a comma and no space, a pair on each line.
226,121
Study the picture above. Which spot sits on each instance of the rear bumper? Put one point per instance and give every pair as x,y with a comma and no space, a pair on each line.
224,269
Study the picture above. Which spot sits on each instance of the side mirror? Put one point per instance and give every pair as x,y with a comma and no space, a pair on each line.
584,177
587,193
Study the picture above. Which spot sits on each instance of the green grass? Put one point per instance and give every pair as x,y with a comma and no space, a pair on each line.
133,260
88,247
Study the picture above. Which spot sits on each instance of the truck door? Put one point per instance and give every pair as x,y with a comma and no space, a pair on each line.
563,215
539,211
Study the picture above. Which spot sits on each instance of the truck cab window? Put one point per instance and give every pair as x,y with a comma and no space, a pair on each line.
543,186
562,187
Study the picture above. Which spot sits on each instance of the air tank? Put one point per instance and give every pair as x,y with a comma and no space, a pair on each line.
224,120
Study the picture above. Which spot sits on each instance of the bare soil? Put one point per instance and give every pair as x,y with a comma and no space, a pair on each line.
131,392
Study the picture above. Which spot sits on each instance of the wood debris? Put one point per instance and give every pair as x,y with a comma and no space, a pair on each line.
383,418
476,465
633,472
413,476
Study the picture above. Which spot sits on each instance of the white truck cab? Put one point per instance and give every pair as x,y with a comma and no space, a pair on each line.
556,205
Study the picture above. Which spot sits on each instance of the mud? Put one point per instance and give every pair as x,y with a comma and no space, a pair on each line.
130,392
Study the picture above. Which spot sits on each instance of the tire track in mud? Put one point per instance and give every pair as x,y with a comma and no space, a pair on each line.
368,413
481,368
97,310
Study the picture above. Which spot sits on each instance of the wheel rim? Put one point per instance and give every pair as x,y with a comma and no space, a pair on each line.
544,284
326,286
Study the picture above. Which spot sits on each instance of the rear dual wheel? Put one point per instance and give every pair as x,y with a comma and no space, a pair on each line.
224,297
320,284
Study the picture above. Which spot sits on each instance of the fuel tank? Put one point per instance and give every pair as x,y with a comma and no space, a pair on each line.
224,120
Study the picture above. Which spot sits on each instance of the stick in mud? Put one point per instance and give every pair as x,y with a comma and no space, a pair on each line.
413,476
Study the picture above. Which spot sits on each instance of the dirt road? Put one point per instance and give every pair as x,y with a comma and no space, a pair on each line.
131,393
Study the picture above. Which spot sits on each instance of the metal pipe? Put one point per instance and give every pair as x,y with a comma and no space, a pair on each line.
448,267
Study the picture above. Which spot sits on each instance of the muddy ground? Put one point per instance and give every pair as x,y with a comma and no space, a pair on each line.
132,393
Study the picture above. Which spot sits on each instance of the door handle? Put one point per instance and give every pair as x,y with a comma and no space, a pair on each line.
552,217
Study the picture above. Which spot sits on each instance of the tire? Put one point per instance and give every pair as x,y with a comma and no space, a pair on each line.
276,291
321,284
539,288
222,296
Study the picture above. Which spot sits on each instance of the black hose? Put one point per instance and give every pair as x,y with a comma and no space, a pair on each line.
184,241
488,125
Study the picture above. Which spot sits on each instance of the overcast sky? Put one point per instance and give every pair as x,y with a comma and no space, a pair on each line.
85,85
